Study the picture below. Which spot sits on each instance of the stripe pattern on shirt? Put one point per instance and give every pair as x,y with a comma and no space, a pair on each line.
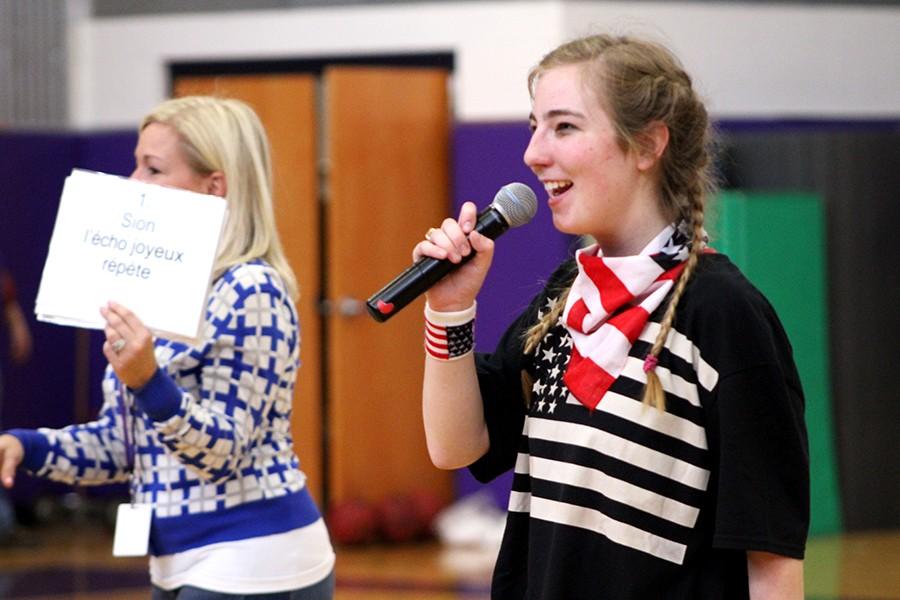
633,474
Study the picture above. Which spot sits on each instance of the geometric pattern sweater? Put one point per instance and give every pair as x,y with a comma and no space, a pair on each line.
207,441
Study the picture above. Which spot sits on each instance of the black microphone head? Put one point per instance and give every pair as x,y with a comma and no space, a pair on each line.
516,202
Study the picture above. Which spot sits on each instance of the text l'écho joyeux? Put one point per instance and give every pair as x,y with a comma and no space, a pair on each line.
139,254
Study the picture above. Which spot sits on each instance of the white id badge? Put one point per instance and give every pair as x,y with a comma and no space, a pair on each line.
132,530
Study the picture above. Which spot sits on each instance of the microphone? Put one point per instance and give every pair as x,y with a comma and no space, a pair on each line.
514,205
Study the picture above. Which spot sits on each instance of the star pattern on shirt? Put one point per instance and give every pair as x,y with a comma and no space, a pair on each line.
551,302
553,351
549,306
549,355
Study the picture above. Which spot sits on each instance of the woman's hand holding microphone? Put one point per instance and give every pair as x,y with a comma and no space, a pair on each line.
454,240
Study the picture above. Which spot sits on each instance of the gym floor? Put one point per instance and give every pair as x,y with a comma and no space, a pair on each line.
72,560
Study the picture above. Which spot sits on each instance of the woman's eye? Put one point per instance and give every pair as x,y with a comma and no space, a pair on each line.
153,171
564,127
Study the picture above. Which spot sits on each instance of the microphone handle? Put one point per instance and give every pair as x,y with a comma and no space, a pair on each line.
427,271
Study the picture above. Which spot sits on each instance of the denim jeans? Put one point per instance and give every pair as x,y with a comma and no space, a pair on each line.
324,590
7,515
7,512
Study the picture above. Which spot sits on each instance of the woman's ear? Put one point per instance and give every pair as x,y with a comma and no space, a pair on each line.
652,142
216,184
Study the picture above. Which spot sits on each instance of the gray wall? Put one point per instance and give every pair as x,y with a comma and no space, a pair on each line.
33,69
112,8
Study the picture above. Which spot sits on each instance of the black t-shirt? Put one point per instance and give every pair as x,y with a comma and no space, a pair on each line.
627,501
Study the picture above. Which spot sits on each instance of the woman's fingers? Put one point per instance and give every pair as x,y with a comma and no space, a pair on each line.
448,241
122,324
451,238
481,243
429,248
11,454
468,215
455,240
128,318
121,320
128,346
116,330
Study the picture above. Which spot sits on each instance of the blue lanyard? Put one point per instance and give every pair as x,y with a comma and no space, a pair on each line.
130,441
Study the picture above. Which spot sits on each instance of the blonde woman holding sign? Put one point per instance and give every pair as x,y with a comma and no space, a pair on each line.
202,431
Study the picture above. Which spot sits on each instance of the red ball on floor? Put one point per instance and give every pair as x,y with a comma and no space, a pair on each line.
352,522
427,505
399,519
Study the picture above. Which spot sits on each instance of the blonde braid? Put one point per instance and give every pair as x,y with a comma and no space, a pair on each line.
653,391
536,332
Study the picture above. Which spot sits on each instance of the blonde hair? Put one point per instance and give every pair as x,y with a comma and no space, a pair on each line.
226,135
639,83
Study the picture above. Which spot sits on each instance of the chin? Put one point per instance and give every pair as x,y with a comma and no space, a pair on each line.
564,225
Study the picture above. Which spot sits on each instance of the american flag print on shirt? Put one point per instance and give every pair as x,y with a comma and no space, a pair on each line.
632,475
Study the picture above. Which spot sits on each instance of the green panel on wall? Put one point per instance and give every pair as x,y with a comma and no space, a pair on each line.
778,241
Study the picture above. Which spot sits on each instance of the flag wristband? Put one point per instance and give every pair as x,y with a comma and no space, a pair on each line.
449,335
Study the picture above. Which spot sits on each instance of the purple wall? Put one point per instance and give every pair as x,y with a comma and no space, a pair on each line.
486,157
33,167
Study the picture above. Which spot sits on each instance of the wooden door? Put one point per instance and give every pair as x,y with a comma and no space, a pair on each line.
387,148
286,105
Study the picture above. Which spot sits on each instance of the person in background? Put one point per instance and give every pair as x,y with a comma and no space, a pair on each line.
647,400
20,346
202,431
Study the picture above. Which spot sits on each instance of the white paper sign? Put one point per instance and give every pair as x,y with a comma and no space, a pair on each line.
147,247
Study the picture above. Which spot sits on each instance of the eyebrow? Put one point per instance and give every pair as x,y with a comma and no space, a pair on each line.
558,112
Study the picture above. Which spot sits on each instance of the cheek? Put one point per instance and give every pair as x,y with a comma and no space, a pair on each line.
611,166
606,155
593,159
188,180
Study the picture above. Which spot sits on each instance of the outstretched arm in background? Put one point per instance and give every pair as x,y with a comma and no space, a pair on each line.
20,344
14,319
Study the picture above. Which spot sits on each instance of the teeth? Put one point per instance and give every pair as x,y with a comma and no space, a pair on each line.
556,186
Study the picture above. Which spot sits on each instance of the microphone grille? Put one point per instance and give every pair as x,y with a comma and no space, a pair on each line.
517,202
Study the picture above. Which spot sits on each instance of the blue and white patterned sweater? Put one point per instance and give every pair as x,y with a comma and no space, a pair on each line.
214,454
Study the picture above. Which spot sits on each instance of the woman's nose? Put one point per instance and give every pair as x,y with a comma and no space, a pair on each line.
535,155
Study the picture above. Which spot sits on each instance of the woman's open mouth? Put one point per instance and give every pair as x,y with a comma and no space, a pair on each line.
557,187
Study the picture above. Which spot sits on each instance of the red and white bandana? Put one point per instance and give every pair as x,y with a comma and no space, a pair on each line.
609,304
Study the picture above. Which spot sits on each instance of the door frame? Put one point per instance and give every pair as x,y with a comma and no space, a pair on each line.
312,66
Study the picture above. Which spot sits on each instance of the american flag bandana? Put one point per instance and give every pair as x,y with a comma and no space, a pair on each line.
609,304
